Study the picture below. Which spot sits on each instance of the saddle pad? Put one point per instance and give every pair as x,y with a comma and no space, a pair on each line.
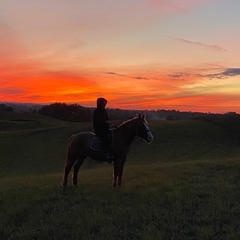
96,144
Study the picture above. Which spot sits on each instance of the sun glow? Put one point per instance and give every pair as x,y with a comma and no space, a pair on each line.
147,58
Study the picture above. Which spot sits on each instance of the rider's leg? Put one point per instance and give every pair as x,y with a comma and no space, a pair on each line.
107,146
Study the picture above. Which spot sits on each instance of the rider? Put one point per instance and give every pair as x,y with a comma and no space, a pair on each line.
101,125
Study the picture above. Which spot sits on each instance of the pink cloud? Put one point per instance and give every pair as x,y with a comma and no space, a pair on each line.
167,5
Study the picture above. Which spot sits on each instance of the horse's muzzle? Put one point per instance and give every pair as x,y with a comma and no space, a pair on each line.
149,137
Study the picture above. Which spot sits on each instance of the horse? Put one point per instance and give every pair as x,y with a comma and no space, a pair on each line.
79,147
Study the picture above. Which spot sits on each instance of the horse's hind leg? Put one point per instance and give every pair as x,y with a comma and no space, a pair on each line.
77,166
69,163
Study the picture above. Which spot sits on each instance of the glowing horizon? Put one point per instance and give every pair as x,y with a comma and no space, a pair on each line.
146,55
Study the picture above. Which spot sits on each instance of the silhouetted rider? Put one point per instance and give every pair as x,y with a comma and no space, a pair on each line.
101,125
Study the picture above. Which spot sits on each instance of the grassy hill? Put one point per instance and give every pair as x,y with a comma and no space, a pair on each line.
185,185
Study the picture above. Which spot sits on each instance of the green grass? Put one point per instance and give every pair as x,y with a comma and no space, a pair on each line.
185,185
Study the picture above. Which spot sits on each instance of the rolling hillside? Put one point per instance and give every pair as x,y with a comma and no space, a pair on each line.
185,185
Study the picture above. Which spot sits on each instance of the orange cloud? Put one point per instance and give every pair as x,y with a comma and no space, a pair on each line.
46,87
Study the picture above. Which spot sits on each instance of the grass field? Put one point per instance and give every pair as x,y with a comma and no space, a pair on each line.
185,185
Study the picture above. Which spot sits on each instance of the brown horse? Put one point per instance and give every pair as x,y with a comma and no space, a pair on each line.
79,148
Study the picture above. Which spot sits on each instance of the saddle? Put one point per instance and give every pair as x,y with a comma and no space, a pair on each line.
97,144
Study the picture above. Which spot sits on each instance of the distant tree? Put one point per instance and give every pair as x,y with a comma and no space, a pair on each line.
63,111
81,114
231,113
2,107
8,109
169,118
5,108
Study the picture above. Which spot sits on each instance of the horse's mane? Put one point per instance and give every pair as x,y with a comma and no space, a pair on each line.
130,122
127,122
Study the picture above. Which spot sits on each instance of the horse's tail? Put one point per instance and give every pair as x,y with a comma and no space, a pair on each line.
68,162
69,147
68,155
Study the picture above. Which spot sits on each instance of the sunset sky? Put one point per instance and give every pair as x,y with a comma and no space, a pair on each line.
139,54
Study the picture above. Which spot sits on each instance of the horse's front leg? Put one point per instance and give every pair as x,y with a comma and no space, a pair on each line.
120,172
115,172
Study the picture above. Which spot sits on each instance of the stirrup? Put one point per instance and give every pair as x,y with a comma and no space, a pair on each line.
110,157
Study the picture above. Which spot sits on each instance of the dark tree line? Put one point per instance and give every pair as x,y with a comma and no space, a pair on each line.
5,108
67,112
78,113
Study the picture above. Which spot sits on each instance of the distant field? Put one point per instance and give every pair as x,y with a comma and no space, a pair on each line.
185,185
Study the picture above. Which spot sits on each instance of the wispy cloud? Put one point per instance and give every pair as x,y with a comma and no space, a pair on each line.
229,72
189,42
219,73
130,76
179,75
114,73
12,91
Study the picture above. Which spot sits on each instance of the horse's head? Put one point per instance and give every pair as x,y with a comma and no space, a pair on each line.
142,129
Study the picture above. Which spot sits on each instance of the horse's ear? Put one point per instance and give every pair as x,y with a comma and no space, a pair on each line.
141,116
